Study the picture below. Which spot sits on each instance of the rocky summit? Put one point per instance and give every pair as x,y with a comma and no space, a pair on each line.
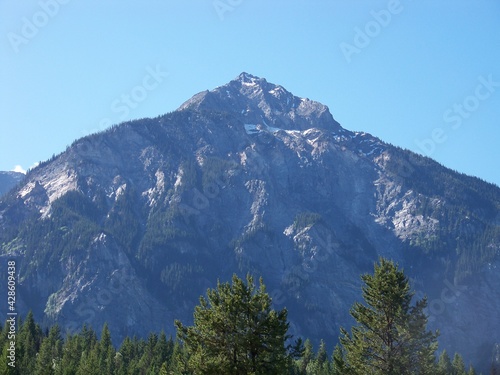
131,225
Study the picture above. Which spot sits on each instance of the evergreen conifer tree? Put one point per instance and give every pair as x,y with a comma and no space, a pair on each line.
236,332
106,351
390,337
338,361
164,369
458,365
71,354
471,371
29,341
89,363
161,351
307,357
50,353
444,364
321,365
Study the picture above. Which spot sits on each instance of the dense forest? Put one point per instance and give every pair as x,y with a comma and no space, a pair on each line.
236,331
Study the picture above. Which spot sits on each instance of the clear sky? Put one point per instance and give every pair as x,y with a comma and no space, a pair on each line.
422,75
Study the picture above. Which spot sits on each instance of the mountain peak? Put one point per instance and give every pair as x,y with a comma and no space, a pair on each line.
245,77
253,99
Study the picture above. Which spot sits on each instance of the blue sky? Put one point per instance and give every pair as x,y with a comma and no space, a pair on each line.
423,75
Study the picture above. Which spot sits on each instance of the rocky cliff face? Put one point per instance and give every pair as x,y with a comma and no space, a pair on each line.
131,225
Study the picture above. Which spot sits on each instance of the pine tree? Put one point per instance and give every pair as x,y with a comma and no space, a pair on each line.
390,337
89,364
50,353
148,352
44,360
106,352
71,355
236,332
89,338
164,369
458,365
320,365
128,356
105,342
29,341
338,362
422,344
444,364
124,355
179,361
322,356
161,351
307,358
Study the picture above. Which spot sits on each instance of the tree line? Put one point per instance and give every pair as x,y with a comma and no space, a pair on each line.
236,331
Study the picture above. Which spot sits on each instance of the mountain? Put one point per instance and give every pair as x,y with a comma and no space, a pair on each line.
8,180
130,226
